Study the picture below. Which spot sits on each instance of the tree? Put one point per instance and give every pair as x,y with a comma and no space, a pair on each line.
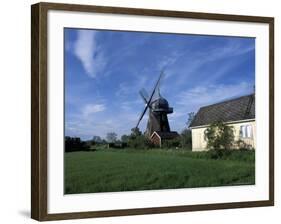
137,140
135,132
190,118
125,138
96,139
75,144
111,137
219,136
103,141
186,139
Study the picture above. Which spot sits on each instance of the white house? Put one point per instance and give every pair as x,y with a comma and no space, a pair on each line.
238,112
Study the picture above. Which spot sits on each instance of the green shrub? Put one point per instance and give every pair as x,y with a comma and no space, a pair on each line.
172,143
234,154
218,154
241,145
140,142
183,141
92,149
118,145
219,136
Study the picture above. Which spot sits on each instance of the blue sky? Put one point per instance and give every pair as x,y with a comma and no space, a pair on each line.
104,71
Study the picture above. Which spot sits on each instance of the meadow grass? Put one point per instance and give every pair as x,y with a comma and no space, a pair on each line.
131,170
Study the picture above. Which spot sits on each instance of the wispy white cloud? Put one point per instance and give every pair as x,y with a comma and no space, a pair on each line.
101,123
92,108
192,99
86,49
205,95
128,88
86,128
128,106
166,61
230,49
194,62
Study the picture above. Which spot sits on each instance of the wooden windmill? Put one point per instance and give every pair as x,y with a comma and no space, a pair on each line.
158,106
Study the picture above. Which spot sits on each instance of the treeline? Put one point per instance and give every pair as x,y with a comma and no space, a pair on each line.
73,144
136,140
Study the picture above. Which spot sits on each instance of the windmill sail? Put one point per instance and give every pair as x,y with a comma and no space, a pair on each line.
144,95
150,98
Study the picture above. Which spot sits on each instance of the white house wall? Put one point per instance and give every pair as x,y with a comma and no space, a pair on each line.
199,143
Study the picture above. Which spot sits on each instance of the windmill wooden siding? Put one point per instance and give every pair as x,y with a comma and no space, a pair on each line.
238,113
155,139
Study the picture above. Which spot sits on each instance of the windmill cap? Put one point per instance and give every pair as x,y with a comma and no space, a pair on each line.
161,104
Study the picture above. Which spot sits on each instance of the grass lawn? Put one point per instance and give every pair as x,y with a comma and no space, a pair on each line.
129,170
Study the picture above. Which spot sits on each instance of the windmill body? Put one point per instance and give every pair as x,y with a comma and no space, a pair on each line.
158,119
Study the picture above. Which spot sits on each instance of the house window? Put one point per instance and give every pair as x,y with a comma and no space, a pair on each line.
246,131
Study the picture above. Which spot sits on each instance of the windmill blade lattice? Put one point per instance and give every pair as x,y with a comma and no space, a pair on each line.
150,98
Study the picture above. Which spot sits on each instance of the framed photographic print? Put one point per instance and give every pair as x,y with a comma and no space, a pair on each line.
140,111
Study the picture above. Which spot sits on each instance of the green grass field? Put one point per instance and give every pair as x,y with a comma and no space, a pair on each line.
130,170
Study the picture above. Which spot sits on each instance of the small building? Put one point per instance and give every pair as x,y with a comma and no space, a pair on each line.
158,137
238,113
